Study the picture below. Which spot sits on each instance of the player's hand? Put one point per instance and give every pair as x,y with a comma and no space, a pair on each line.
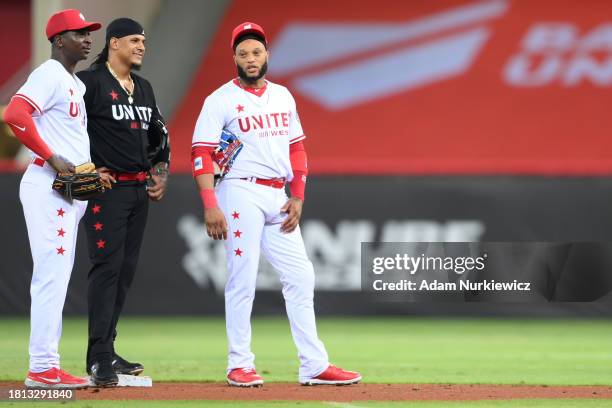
216,225
157,187
60,164
106,176
293,208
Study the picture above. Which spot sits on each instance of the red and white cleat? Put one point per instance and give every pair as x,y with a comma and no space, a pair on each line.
333,376
244,377
55,378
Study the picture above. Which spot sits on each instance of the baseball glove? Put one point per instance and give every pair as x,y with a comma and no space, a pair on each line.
82,185
225,154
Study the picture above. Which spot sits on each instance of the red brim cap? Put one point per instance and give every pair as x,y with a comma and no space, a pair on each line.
69,20
247,28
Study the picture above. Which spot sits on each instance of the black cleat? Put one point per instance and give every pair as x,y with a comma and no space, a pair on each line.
123,366
103,375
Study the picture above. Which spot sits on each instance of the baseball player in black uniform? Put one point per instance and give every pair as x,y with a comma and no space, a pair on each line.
128,138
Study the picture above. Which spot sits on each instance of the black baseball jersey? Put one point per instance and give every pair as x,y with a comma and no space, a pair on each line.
118,130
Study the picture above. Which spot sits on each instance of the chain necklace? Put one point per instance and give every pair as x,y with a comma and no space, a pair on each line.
129,94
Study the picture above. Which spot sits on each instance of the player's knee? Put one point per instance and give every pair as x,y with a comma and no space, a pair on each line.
298,296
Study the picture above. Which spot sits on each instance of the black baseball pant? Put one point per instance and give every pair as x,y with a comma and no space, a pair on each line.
115,225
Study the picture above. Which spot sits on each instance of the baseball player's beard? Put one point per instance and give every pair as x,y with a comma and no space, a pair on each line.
251,80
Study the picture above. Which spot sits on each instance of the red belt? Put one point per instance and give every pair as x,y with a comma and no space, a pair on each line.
274,183
140,176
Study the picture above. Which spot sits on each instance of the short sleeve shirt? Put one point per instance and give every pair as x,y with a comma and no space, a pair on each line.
59,116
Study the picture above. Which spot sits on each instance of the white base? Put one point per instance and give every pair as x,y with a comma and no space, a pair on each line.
130,381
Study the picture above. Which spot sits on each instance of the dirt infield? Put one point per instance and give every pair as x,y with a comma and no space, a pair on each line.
360,392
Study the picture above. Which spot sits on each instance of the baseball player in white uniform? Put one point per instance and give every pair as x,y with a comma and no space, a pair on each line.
253,214
48,115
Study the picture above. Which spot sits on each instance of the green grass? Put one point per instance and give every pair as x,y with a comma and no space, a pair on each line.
385,350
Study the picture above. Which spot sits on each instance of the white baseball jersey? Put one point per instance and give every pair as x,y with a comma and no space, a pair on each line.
59,116
266,122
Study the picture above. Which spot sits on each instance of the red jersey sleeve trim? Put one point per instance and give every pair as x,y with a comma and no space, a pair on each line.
30,101
204,144
297,139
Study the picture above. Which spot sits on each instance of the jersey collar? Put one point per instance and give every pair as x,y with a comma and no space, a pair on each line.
255,91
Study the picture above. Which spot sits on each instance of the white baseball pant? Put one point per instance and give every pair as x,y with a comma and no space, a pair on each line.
52,223
254,219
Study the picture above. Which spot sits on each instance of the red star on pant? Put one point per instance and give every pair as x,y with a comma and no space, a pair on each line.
240,108
101,243
60,232
235,215
60,250
61,212
96,209
238,252
98,226
114,95
237,234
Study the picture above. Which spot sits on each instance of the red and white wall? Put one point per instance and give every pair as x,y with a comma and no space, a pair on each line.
421,87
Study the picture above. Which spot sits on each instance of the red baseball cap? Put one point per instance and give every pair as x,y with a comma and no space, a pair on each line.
247,28
68,20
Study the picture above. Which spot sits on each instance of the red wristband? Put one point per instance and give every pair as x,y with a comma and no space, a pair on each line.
208,198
